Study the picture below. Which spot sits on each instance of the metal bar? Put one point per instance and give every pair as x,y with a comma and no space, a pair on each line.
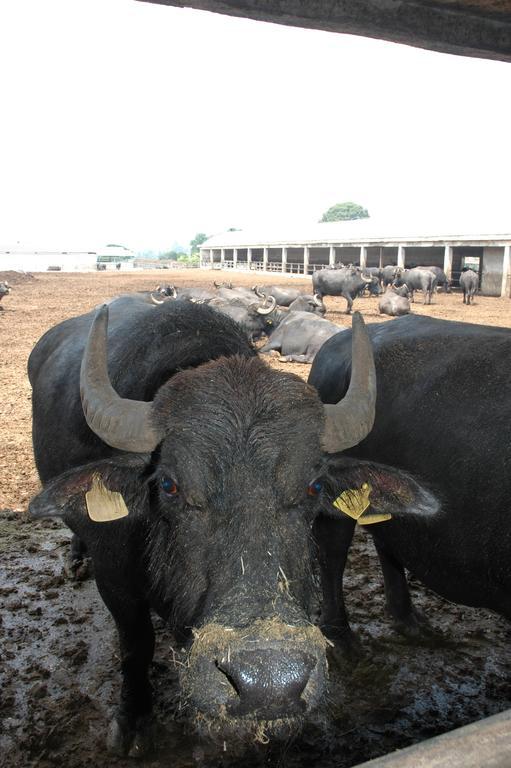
485,744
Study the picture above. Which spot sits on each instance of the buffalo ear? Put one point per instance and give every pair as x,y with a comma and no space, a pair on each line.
374,493
101,492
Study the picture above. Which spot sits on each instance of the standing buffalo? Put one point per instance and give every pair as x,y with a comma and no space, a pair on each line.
417,280
441,277
346,282
443,413
469,283
393,302
191,473
5,290
388,274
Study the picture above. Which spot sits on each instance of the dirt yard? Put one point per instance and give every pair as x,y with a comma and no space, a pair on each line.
58,655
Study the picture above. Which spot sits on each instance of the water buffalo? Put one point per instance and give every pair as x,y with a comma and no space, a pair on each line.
441,278
346,282
443,414
393,303
388,274
190,471
299,336
307,302
417,280
252,316
5,290
469,283
284,295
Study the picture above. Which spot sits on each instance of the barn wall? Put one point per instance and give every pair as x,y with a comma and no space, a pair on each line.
491,275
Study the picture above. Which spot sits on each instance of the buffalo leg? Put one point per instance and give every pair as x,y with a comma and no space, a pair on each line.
334,539
130,730
407,620
349,301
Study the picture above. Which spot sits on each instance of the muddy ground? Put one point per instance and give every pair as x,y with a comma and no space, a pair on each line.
58,651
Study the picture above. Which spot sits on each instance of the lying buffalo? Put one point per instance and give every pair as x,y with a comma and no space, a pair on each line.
191,473
283,294
299,336
443,413
394,301
251,315
469,283
346,282
5,290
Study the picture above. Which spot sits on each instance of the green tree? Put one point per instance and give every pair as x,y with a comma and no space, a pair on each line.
345,212
197,241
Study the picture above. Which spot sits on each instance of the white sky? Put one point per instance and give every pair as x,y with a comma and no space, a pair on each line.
140,124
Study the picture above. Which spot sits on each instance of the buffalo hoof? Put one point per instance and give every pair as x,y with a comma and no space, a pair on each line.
125,740
343,649
415,626
78,569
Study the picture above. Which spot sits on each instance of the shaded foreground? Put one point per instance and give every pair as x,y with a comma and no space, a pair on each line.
59,676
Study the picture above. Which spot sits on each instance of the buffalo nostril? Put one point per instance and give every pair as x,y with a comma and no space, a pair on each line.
268,679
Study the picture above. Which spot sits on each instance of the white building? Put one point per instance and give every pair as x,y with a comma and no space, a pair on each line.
301,250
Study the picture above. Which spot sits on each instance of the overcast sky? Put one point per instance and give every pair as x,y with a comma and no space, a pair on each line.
126,122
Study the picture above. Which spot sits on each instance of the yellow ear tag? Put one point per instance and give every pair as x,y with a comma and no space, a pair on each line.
355,502
104,505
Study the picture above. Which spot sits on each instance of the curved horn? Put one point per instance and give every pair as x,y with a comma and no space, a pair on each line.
317,300
266,310
157,301
258,292
352,418
217,285
119,422
173,295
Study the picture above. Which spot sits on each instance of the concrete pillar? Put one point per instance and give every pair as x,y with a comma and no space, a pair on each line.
222,257
305,259
380,261
506,272
234,258
211,257
249,258
363,256
265,258
331,257
401,256
448,261
284,259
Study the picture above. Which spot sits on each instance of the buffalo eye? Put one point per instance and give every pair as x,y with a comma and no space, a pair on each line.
169,486
314,488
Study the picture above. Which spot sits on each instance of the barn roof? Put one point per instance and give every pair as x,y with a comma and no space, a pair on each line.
365,231
466,27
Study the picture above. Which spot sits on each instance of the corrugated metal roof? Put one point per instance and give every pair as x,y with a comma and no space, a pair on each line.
361,231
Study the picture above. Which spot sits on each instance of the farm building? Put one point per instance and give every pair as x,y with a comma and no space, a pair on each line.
369,244
39,259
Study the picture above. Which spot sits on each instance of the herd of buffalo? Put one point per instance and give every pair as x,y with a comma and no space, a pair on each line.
223,494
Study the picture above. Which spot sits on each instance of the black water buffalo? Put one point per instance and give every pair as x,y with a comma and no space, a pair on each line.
441,277
284,295
417,280
251,315
394,302
5,290
298,336
191,470
443,413
469,283
307,302
346,282
388,274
